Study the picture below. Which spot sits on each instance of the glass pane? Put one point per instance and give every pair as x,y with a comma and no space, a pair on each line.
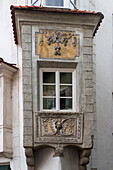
49,90
65,103
65,91
36,4
4,167
49,103
65,78
48,77
54,2
71,6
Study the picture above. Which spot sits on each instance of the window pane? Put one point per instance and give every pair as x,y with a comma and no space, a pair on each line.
4,167
65,78
65,91
49,90
71,6
49,103
54,2
48,77
65,103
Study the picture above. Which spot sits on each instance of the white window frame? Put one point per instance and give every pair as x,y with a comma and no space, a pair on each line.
57,71
66,3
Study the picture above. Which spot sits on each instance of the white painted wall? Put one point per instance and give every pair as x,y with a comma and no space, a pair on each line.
8,49
104,85
44,159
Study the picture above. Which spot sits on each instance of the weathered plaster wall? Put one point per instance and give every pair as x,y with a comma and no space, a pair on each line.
102,153
104,87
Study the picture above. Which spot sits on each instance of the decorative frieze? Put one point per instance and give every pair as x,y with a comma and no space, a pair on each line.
58,127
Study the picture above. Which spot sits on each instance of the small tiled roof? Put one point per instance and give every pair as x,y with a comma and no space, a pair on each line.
52,10
9,64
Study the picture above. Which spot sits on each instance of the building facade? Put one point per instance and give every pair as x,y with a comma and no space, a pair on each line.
57,109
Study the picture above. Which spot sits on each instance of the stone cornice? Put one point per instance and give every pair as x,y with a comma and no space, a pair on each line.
37,14
7,70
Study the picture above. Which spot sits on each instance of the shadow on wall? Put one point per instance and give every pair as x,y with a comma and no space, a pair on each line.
44,159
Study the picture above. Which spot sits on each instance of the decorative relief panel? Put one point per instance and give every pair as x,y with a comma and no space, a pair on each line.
57,44
58,127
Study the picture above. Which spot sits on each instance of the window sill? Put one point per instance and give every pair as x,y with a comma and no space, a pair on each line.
57,7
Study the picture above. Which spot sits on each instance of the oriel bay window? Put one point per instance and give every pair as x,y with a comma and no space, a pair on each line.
57,89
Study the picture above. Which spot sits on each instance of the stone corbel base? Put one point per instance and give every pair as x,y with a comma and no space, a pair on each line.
84,158
30,158
6,155
59,151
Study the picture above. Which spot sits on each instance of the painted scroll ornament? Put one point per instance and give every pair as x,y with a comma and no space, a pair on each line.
58,38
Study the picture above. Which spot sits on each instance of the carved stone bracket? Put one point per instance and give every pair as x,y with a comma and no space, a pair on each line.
6,155
29,158
84,158
59,151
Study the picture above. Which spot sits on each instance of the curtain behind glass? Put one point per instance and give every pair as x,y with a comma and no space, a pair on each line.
54,2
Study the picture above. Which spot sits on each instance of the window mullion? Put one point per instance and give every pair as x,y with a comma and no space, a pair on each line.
57,90
41,90
74,90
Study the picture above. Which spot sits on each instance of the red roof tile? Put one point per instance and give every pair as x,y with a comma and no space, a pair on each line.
53,10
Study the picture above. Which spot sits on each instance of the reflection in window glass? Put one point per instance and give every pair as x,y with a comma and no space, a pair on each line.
65,103
54,2
48,77
49,90
65,78
65,91
49,103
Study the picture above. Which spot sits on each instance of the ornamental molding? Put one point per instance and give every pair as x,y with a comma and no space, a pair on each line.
58,128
